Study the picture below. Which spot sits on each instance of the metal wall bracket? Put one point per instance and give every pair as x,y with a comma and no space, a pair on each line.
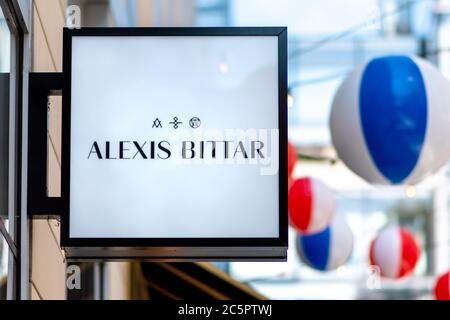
41,86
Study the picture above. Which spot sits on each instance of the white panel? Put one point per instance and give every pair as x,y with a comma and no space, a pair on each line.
120,85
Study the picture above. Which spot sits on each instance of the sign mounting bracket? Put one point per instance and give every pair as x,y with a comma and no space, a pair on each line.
41,86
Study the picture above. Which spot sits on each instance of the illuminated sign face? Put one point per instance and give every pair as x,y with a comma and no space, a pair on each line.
174,135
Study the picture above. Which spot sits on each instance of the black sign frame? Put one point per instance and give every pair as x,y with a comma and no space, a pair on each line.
176,248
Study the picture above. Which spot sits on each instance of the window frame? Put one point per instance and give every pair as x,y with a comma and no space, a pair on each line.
16,24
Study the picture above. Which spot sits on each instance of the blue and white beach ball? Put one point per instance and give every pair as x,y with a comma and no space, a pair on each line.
390,120
329,249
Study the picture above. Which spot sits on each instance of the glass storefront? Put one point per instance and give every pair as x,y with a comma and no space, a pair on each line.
5,57
10,97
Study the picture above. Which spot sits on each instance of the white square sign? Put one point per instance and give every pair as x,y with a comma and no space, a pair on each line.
174,136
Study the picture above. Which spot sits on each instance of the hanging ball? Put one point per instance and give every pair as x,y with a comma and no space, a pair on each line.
395,252
329,249
442,287
311,205
292,158
290,183
387,120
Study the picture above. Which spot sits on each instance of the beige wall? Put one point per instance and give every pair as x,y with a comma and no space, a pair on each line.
47,275
119,275
170,13
47,260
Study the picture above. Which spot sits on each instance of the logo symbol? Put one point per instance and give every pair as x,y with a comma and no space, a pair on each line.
157,123
175,123
195,122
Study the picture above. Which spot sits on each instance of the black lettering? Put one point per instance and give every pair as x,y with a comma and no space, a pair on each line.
240,148
226,144
164,149
122,149
213,151
152,150
185,149
140,149
108,155
95,149
202,149
257,150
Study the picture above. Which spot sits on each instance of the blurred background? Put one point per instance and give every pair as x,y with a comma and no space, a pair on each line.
327,39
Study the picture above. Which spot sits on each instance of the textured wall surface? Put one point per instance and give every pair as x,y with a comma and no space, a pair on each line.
47,260
47,276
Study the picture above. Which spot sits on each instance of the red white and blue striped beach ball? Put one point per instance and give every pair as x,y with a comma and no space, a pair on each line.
329,249
395,251
388,120
311,205
442,287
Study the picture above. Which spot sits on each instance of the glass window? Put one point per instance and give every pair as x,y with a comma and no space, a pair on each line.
212,13
4,253
5,57
5,45
9,147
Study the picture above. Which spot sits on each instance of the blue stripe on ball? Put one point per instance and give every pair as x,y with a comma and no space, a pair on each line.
316,248
393,113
